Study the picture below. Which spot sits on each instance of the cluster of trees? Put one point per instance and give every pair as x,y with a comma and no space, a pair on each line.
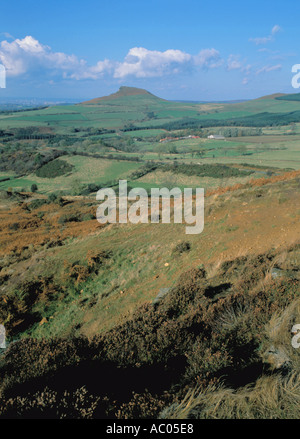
17,108
240,132
5,134
54,168
256,120
207,170
91,131
107,156
24,161
29,133
124,144
144,170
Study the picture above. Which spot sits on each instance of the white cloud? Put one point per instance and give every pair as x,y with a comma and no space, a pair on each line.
94,72
270,37
23,55
267,69
275,29
208,58
28,55
245,80
7,35
144,63
233,63
261,40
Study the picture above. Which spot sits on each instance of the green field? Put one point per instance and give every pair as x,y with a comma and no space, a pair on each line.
146,110
120,133
86,170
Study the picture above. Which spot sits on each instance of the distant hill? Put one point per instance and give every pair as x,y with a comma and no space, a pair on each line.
135,109
273,96
122,92
128,92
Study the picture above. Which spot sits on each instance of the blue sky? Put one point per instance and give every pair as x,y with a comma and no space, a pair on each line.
194,50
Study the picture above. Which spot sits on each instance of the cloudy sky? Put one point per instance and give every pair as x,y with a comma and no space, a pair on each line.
177,49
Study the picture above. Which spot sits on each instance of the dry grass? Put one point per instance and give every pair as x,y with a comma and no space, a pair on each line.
272,397
279,351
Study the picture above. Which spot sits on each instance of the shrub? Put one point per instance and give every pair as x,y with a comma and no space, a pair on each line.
54,169
70,217
54,198
35,204
16,307
14,226
182,247
50,404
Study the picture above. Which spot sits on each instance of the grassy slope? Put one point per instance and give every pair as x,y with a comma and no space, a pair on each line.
151,349
86,170
137,267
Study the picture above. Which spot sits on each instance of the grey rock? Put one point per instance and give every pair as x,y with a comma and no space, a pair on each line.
277,272
162,293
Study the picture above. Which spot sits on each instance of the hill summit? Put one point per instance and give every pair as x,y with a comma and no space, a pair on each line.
122,92
273,96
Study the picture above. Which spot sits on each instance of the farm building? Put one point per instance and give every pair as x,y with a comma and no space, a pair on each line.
216,137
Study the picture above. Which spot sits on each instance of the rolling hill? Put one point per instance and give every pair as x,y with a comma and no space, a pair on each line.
142,109
122,92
